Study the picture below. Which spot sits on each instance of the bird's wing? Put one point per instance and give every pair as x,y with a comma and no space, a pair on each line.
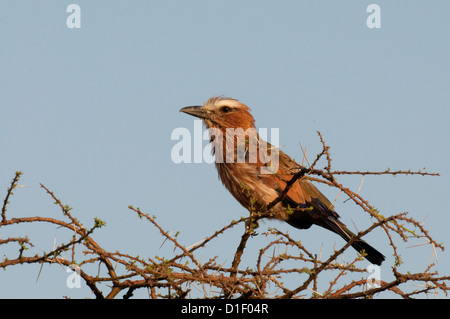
304,203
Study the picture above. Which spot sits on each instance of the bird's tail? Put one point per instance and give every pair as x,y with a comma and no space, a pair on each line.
370,253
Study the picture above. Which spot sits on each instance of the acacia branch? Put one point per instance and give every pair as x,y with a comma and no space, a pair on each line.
185,274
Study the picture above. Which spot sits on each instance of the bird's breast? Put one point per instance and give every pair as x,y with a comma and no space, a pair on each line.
243,181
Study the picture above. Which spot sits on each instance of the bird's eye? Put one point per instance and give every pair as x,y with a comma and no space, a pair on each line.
225,109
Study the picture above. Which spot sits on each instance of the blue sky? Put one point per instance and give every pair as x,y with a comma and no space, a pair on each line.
89,113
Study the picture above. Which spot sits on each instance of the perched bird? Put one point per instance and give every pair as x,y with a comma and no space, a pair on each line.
241,159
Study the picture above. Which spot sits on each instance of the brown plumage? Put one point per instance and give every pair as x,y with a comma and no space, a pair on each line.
256,173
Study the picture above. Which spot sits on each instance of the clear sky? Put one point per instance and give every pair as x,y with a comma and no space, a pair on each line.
89,113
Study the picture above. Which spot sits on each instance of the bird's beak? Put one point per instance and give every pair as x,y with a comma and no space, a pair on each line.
196,111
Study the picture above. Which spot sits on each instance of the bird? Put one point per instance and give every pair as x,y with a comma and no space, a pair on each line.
255,182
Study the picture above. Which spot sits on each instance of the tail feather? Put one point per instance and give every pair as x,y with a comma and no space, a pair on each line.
370,253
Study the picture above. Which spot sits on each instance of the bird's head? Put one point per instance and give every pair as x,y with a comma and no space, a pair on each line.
222,113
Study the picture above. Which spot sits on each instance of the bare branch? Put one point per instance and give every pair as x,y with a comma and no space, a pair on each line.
185,275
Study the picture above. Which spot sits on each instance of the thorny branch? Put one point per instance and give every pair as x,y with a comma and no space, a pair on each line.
184,275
